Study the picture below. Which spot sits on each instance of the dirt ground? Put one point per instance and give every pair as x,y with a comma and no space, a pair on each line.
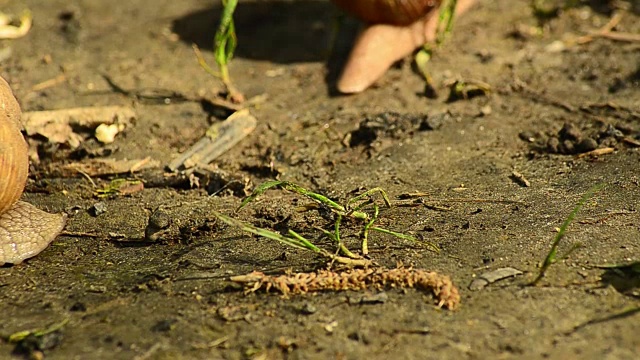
552,99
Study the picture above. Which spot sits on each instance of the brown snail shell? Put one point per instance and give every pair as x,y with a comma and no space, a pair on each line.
14,161
394,12
24,229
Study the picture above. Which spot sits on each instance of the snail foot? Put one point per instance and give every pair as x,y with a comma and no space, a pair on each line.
26,230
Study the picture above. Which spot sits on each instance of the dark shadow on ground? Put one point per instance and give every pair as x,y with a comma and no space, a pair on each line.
625,279
280,32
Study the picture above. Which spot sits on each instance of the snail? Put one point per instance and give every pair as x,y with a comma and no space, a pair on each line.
395,28
24,229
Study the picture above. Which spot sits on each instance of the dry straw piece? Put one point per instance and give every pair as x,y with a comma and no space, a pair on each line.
355,279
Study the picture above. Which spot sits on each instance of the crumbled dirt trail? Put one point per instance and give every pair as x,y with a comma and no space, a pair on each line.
125,298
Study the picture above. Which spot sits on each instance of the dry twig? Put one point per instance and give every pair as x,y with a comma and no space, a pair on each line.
608,32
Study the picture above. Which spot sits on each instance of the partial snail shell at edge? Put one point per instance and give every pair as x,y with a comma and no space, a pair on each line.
395,12
25,230
14,160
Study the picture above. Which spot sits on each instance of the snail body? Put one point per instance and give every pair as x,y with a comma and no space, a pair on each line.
395,28
24,229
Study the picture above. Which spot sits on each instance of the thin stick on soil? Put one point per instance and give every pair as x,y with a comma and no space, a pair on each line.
608,33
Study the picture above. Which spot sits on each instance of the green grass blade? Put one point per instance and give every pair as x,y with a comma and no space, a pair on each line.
445,20
225,39
335,237
365,230
261,189
294,242
431,246
553,252
289,186
304,241
368,193
319,198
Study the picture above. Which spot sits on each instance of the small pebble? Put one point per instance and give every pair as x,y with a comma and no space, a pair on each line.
555,47
568,147
434,122
98,209
614,132
570,132
106,134
587,144
486,110
164,325
379,298
158,221
492,276
527,136
553,145
308,309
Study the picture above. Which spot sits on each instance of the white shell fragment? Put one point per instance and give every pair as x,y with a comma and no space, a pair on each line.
60,126
492,276
106,134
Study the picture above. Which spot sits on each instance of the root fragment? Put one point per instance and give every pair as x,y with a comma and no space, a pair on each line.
442,287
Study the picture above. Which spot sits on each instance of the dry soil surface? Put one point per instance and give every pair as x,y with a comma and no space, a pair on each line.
553,98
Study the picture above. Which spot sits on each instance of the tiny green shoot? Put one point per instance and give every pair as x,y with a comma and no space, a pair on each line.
552,256
224,45
294,240
443,30
360,208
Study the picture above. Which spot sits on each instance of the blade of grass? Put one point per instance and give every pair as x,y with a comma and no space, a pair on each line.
365,230
304,241
553,252
431,246
335,237
259,190
443,29
289,186
319,198
345,251
225,41
445,20
369,193
294,242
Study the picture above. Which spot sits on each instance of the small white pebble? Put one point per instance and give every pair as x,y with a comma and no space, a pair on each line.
106,134
555,47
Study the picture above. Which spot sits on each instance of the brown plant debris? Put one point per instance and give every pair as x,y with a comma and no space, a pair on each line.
355,279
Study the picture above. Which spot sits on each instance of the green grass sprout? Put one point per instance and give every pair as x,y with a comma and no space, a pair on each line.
552,256
443,30
318,198
431,246
224,45
294,240
445,20
365,231
362,207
